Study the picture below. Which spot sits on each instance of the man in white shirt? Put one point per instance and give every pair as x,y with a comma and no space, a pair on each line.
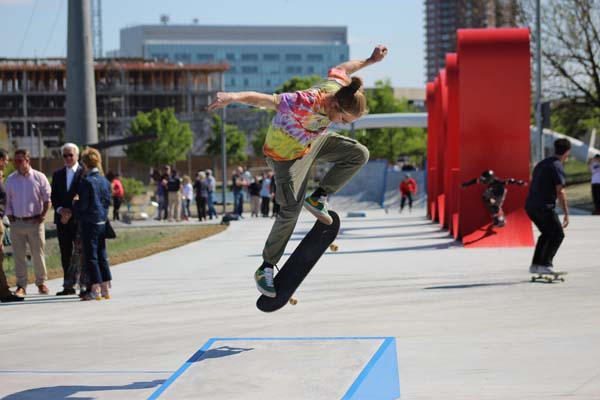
65,184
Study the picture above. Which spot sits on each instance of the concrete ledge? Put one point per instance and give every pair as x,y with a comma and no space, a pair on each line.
349,368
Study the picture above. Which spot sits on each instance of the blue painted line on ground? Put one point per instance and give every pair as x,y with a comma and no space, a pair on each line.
82,372
181,370
367,369
211,341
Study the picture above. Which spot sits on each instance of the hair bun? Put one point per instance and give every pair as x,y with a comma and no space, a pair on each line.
355,84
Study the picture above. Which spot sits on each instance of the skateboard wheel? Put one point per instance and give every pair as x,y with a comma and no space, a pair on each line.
333,247
293,301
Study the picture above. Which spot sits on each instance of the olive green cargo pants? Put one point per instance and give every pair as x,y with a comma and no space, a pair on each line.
291,178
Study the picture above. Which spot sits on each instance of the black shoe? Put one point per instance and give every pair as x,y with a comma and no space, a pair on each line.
66,292
11,298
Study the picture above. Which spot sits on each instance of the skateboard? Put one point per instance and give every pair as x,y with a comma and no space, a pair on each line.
300,263
549,278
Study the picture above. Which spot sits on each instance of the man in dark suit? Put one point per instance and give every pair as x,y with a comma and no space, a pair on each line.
65,184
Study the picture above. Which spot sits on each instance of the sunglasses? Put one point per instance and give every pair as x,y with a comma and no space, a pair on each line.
68,155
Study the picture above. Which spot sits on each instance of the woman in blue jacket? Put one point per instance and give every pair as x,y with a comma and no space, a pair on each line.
91,209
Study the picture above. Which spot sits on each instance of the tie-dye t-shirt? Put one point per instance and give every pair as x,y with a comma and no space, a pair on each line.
301,118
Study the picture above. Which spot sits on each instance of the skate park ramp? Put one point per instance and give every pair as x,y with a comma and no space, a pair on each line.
304,368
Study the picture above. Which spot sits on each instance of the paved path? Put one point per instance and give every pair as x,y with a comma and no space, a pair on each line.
467,323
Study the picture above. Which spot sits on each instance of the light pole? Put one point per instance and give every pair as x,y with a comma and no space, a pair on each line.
538,83
223,149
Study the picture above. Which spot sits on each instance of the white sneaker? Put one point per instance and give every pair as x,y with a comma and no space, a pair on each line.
533,269
545,269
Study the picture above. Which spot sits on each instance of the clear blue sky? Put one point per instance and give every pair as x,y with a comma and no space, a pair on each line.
396,23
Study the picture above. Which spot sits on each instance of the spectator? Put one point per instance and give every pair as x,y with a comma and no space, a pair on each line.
187,192
27,203
254,190
237,181
91,209
594,164
6,295
548,184
212,186
117,194
174,192
408,188
274,198
265,193
201,187
65,184
162,189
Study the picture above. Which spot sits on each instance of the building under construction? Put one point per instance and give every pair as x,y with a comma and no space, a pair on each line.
33,99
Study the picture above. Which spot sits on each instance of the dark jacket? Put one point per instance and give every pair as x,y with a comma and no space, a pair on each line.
94,198
61,197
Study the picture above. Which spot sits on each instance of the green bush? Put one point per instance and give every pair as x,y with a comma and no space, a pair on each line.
131,187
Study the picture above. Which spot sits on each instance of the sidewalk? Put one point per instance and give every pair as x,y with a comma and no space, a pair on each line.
468,323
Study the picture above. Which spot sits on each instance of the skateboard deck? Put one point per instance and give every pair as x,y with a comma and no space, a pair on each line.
300,263
549,278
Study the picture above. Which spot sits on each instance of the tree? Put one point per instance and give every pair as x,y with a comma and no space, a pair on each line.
236,142
299,83
571,55
173,142
391,143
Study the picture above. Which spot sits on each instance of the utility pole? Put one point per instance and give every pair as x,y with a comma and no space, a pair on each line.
81,118
539,154
223,149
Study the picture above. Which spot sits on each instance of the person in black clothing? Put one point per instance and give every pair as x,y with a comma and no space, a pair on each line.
6,296
65,184
254,190
495,193
547,185
237,187
201,193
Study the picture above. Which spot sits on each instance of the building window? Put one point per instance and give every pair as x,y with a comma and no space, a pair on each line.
249,70
342,57
293,70
293,57
204,57
314,57
230,57
249,57
183,57
232,82
310,69
246,82
268,82
271,57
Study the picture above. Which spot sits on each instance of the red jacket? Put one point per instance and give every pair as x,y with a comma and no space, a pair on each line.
409,186
117,188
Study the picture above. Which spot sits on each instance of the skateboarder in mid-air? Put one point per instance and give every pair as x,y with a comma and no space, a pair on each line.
495,193
297,138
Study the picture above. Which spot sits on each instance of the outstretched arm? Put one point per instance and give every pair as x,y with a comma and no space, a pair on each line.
352,66
251,98
469,183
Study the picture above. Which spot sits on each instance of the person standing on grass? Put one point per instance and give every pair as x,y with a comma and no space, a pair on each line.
27,202
547,185
187,192
297,138
212,187
65,184
6,296
118,193
91,209
594,164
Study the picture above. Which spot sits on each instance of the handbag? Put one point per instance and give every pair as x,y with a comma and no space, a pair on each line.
110,232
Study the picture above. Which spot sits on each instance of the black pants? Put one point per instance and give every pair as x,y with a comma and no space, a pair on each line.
264,206
403,201
551,235
201,205
596,196
116,206
66,236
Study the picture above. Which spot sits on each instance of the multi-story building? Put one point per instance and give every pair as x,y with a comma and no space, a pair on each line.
261,58
33,98
444,17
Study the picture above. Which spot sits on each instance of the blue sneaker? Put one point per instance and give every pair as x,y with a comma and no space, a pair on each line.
318,207
264,281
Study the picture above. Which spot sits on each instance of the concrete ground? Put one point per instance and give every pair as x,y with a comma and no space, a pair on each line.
468,323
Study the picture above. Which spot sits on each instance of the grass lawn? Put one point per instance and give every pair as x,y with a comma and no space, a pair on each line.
131,244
